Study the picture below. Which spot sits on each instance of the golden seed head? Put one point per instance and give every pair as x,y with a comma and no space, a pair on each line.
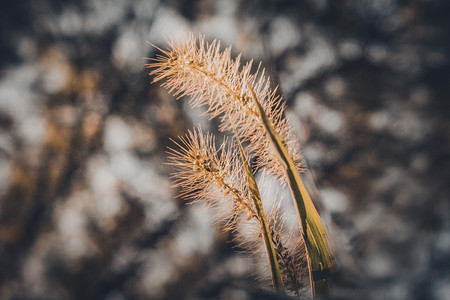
203,170
211,77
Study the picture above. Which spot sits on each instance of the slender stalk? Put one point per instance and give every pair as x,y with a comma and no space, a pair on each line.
265,230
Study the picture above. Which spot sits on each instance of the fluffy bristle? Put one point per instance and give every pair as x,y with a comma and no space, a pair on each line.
291,255
207,173
215,175
212,78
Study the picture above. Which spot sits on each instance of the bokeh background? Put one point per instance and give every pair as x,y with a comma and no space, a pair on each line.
86,205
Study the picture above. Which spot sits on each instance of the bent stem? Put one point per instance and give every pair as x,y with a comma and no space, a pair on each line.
320,257
265,231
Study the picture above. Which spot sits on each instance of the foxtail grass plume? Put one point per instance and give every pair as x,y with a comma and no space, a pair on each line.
289,248
214,175
291,255
244,100
212,78
210,174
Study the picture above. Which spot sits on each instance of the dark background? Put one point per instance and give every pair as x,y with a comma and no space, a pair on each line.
86,207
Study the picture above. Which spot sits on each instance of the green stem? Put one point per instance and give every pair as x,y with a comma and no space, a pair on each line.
265,230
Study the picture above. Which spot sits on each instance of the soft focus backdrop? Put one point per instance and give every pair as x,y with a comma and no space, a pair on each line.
86,205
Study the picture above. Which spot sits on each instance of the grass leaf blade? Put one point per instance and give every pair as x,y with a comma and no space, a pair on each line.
320,256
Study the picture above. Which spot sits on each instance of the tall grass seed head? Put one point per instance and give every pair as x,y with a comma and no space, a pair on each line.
212,78
211,174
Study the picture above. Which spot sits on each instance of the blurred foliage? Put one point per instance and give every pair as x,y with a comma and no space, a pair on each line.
86,209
